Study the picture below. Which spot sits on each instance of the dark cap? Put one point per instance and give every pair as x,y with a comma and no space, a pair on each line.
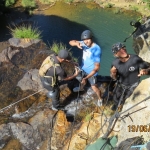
64,54
116,47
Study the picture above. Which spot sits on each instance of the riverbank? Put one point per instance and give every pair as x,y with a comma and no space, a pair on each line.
134,5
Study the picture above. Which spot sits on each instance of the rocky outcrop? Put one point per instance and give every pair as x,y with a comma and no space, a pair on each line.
38,133
16,62
93,127
7,54
141,41
31,81
137,123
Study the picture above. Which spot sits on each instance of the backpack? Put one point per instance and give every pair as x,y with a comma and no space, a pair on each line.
47,63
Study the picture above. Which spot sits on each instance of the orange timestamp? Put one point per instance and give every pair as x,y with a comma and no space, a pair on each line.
138,128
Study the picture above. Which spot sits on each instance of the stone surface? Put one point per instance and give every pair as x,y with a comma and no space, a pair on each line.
22,42
141,41
139,120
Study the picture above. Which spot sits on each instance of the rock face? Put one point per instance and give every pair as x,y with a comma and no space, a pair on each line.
16,62
37,133
89,131
138,122
141,41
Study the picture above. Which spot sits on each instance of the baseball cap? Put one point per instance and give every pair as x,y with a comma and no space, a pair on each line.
64,54
116,47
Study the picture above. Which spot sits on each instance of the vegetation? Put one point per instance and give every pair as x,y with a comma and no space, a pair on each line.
56,47
148,3
25,31
9,3
109,5
134,8
117,11
28,4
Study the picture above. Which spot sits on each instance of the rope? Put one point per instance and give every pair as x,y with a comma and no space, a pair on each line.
74,117
52,125
1,110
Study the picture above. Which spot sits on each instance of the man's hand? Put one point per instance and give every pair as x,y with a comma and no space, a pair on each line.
143,72
79,45
75,43
84,80
76,71
113,72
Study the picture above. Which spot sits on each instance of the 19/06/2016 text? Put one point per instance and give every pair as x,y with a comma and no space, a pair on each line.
138,128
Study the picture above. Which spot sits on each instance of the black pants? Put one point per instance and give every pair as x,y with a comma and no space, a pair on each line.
53,93
122,92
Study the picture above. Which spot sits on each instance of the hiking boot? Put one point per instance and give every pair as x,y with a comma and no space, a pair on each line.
53,108
99,103
77,89
114,107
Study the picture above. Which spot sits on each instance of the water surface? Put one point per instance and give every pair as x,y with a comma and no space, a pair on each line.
64,22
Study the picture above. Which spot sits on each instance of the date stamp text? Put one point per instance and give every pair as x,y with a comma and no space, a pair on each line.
138,128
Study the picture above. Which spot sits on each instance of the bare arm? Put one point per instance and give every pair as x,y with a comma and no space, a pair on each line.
73,76
75,43
144,72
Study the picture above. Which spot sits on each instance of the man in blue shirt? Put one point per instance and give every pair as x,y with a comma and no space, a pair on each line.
90,62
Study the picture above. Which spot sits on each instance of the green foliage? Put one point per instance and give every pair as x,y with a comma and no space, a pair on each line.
56,47
25,31
88,117
117,11
147,3
9,3
109,5
134,8
28,3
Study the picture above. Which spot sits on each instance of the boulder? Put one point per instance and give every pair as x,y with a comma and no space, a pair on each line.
137,105
141,41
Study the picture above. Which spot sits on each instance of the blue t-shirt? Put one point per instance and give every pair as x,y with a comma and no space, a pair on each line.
91,55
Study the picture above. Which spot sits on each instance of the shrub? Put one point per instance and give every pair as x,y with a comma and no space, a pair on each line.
109,5
56,47
9,3
28,4
25,31
117,11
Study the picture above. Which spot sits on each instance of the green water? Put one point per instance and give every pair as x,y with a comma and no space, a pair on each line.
108,27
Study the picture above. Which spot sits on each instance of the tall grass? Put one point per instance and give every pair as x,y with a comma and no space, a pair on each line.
25,31
56,47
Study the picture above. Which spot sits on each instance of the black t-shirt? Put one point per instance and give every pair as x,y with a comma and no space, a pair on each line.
59,72
129,70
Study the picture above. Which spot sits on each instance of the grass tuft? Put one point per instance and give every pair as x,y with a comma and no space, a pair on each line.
25,31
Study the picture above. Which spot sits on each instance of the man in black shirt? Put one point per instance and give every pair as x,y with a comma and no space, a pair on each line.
50,80
127,69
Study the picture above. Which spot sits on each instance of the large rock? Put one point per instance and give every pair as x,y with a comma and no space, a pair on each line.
141,41
138,122
44,129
